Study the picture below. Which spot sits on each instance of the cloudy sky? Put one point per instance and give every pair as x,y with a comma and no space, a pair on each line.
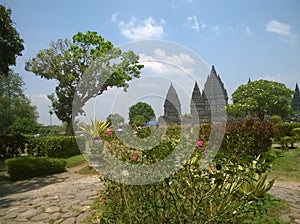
256,39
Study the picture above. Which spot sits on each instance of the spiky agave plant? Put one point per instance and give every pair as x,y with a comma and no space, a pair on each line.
96,128
258,186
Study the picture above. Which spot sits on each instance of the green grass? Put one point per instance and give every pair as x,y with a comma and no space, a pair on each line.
75,161
275,208
287,166
88,170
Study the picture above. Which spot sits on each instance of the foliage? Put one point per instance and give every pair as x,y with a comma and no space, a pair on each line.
11,45
96,128
27,167
115,119
84,68
16,114
261,98
192,195
12,145
248,137
257,186
275,119
138,121
55,146
140,109
51,130
286,166
286,133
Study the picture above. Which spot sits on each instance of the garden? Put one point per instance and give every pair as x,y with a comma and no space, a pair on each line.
231,189
230,184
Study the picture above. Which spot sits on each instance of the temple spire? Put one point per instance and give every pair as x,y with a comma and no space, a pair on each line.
172,107
297,88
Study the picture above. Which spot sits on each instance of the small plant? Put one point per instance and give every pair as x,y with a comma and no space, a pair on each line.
257,186
96,128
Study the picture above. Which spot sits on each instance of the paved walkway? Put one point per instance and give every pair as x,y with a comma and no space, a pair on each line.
290,192
66,198
60,198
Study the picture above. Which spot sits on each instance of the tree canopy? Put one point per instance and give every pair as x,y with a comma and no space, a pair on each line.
84,67
260,98
16,114
11,45
139,110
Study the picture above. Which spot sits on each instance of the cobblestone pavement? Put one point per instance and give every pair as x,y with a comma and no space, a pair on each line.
290,192
61,198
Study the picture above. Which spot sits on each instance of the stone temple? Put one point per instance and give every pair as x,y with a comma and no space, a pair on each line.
210,101
172,107
296,100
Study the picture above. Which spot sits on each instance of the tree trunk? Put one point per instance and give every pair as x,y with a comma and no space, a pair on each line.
69,129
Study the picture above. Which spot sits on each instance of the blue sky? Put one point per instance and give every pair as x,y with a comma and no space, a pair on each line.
257,39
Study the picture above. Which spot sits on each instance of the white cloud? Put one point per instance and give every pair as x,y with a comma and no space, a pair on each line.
194,23
149,28
161,63
282,29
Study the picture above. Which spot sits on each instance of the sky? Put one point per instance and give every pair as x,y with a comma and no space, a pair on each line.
242,39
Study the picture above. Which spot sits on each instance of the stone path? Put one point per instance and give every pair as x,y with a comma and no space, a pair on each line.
290,192
66,198
61,198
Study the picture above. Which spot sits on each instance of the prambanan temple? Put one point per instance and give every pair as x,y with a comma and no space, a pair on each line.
296,100
210,101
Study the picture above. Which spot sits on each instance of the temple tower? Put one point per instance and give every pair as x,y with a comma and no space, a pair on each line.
212,100
172,107
296,100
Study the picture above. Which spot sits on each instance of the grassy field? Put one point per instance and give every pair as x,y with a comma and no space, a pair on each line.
75,161
287,166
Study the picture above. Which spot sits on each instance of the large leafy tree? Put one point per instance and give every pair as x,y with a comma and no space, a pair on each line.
16,113
260,98
11,45
139,111
84,67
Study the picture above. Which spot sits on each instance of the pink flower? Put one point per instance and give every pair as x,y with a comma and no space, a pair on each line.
109,132
134,158
199,143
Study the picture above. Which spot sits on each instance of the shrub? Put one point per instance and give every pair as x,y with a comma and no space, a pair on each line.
248,137
285,133
217,194
12,145
27,167
55,146
192,195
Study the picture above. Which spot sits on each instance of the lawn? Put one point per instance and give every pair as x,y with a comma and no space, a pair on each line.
75,161
287,166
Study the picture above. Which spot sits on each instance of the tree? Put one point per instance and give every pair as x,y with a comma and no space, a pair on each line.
11,45
261,98
84,67
115,119
16,114
142,109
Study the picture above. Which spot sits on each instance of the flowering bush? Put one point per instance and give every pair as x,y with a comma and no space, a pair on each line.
192,195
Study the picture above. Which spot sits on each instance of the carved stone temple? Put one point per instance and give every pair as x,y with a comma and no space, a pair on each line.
172,107
210,101
296,101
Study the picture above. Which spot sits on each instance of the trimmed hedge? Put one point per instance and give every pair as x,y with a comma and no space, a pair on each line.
248,137
12,145
27,167
55,146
